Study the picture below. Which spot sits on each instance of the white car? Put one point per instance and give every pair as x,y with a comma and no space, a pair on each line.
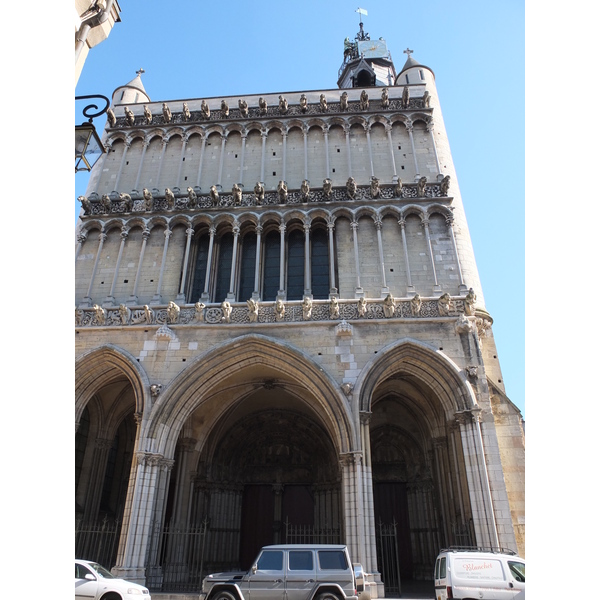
94,582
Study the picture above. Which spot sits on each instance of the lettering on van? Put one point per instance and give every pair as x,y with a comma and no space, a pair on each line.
490,570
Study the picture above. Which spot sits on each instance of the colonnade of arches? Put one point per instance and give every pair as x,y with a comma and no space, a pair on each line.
254,433
270,255
289,150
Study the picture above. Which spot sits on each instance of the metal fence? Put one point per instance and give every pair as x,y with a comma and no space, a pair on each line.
98,541
308,534
388,558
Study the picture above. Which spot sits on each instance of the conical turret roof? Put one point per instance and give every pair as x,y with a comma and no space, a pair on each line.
132,92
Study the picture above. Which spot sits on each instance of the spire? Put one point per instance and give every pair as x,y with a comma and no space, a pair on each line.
132,92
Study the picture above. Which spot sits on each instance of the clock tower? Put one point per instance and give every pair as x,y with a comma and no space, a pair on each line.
366,63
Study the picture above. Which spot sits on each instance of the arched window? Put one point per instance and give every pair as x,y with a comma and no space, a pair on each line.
295,265
319,264
200,268
247,265
271,265
223,274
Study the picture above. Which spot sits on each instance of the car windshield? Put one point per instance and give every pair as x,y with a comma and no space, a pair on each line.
105,573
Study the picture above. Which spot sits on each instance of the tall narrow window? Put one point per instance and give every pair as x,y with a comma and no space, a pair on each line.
295,265
271,266
200,268
319,264
247,265
223,274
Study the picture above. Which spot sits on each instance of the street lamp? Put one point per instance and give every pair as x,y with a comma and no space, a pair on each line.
88,146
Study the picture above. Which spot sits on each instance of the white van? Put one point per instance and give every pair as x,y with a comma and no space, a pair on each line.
479,574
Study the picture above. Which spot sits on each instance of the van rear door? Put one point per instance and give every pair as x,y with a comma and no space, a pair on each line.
440,578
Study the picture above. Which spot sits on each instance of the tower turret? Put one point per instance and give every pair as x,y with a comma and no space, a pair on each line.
132,92
367,62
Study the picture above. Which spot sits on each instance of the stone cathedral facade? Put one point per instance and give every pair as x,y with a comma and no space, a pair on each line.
281,334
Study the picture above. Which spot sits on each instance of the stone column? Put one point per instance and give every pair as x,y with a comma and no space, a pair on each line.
87,301
307,281
157,299
181,157
358,292
201,159
347,132
368,132
354,505
437,160
305,134
409,128
80,241
118,179
221,159
326,136
370,533
189,232
263,136
378,225
462,288
256,292
161,161
484,519
145,145
110,299
410,288
284,137
425,223
281,293
388,130
236,235
243,135
330,227
211,230
133,299
96,481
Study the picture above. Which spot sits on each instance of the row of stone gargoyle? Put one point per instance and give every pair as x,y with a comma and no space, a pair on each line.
363,104
259,194
173,310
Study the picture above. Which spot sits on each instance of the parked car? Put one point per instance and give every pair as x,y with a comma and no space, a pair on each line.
94,582
474,574
291,571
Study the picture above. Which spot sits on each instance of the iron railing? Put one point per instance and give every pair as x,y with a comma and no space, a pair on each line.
98,541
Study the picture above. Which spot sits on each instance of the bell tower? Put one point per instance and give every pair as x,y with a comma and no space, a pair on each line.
367,62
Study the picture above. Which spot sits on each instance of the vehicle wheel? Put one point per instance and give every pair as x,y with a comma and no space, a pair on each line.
111,596
224,596
327,596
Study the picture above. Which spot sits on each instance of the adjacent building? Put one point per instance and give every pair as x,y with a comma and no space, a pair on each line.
281,335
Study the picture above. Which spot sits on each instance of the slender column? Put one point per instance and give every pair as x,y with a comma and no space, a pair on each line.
80,241
368,132
100,166
145,145
388,130
409,128
133,298
305,134
326,136
347,132
118,180
281,293
201,160
157,297
181,157
330,228
162,160
410,288
241,182
188,242
433,145
263,135
284,136
384,288
236,235
110,299
450,224
223,142
256,292
94,488
370,533
211,230
425,224
360,510
358,292
307,282
87,301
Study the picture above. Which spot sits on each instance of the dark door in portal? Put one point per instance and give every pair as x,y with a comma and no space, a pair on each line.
258,508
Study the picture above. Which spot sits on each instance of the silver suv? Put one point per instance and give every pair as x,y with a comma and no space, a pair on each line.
291,571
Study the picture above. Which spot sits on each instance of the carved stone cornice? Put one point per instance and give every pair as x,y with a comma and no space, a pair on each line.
468,416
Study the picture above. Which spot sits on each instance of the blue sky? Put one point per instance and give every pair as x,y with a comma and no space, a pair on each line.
476,49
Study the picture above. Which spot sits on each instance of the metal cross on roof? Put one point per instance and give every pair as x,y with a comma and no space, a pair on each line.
140,71
408,52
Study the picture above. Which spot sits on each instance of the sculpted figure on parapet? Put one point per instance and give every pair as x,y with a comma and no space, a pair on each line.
398,188
199,311
282,190
205,110
389,306
129,116
444,304
243,106
327,188
283,105
470,300
361,307
172,312
426,99
334,308
445,185
192,198
415,305
364,100
279,310
148,199
307,308
226,308
304,189
214,195
385,98
170,198
112,119
259,192
351,188
85,204
187,115
147,115
236,192
323,102
166,112
344,101
375,189
105,200
252,310
303,103
99,314
124,313
126,199
421,187
405,97
224,108
262,105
